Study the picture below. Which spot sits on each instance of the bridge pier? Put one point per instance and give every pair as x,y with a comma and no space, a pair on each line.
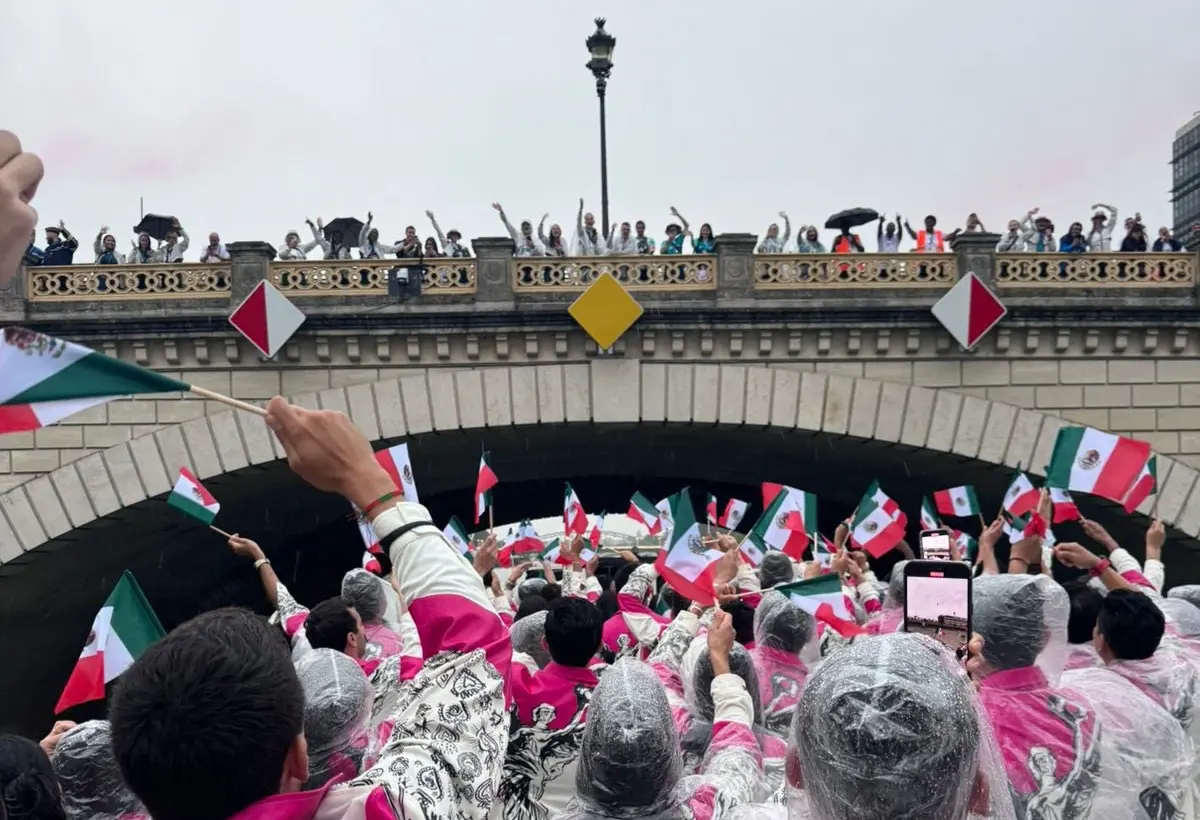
251,264
975,253
493,269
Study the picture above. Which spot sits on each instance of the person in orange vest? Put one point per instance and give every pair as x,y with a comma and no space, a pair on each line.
929,239
848,243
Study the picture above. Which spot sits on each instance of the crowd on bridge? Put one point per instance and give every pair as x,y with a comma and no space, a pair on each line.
343,237
765,681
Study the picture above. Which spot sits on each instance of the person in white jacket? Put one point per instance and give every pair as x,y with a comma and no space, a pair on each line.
293,250
176,245
368,241
1019,235
589,240
143,252
335,246
1099,238
452,244
526,244
772,242
623,242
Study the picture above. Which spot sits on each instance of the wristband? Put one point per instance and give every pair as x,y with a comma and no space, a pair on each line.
1019,558
383,499
1100,568
259,563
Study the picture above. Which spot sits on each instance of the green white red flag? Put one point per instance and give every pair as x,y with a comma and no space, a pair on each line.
527,541
484,483
1145,485
574,517
968,546
191,498
597,531
735,511
1021,497
929,519
642,510
823,598
1092,461
122,630
685,562
457,535
959,501
783,526
769,491
878,524
710,509
398,465
43,380
1065,508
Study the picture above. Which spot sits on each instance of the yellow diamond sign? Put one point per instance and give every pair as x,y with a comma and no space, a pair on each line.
605,311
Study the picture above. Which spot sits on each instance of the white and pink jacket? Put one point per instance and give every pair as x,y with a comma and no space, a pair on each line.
445,753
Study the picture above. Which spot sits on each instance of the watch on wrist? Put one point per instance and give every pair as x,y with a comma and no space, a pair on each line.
259,563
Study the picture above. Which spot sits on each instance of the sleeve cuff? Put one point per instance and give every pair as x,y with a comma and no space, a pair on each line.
731,701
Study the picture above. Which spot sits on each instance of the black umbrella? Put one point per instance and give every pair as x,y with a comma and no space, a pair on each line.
157,225
349,227
851,218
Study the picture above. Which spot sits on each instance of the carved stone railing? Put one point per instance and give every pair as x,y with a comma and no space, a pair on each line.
74,283
369,276
1096,270
637,273
834,271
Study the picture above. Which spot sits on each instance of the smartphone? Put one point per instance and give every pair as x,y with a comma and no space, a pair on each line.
937,602
935,545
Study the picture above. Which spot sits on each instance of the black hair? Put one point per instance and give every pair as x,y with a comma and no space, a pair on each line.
607,604
215,702
677,602
1085,609
487,579
28,786
329,623
622,575
1132,625
532,604
743,621
574,628
776,568
551,592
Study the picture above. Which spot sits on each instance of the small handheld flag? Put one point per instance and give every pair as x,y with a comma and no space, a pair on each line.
191,498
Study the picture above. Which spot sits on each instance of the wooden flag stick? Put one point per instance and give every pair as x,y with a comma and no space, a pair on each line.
982,523
220,532
491,521
240,405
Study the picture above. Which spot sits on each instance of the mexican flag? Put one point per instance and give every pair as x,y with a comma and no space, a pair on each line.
642,510
597,531
878,524
527,541
823,552
960,501
122,630
552,552
1064,506
190,498
368,534
784,525
483,487
735,511
686,563
1143,486
769,491
457,535
1021,497
968,546
710,509
1091,461
396,463
929,519
822,597
43,380
504,555
574,518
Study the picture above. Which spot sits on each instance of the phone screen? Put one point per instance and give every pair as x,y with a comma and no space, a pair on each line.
939,605
935,546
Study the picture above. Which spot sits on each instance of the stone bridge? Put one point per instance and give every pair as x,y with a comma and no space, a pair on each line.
819,371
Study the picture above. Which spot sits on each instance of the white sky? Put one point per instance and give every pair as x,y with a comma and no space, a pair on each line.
930,597
245,116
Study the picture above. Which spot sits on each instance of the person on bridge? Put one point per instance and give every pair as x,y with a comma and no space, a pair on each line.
588,240
773,242
451,243
554,244
368,241
1099,238
1019,236
526,244
929,239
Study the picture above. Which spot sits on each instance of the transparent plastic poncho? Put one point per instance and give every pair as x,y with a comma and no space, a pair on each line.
1186,592
528,636
1182,616
697,690
891,616
1023,622
785,650
1146,758
629,758
889,728
337,712
529,588
776,568
365,592
91,783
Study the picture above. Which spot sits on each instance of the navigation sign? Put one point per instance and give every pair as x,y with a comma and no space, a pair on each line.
266,318
605,311
969,310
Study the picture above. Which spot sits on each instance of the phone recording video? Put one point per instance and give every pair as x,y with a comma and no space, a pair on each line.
935,545
937,602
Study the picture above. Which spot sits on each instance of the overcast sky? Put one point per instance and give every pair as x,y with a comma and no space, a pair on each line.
246,116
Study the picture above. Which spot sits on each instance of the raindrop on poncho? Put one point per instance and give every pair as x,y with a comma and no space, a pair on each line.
92,787
337,711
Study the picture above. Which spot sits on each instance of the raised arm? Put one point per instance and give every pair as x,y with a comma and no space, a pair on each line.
682,222
184,241
579,219
541,231
98,246
507,225
366,229
437,230
787,229
908,228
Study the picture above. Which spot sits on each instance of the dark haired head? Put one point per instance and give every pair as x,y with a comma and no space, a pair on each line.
334,624
1085,608
743,621
1009,613
28,785
574,627
607,604
622,575
551,592
776,568
532,604
1130,626
215,702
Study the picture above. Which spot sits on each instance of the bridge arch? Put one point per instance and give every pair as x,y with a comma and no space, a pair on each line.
65,536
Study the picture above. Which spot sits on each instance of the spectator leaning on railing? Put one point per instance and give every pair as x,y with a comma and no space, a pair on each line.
60,246
143,252
1099,239
105,247
214,251
293,250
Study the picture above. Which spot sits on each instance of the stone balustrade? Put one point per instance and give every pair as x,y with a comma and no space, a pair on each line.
735,271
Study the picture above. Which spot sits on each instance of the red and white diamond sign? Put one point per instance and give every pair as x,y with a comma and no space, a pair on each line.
969,310
266,318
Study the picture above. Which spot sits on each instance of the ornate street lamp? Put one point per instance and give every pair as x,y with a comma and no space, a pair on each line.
600,46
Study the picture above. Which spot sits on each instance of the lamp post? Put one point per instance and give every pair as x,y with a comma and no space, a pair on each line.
600,46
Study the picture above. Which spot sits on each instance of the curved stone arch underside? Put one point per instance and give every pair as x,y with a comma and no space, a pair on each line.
612,391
